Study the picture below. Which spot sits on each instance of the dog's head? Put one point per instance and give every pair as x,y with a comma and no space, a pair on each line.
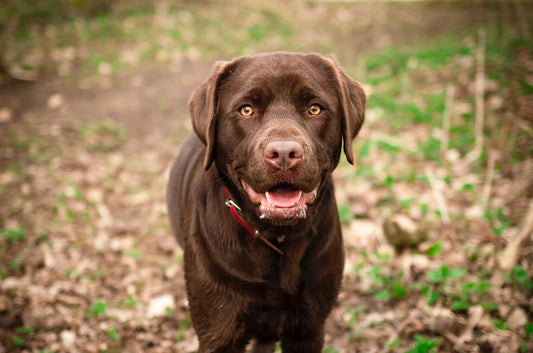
274,124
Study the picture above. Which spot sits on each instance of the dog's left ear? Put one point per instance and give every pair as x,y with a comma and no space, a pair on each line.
353,100
202,107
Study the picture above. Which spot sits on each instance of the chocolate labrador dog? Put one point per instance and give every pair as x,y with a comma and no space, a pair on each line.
251,200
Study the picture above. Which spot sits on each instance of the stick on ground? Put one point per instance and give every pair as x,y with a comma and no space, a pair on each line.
512,252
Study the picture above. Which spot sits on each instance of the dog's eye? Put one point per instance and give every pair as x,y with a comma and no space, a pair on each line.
315,109
246,110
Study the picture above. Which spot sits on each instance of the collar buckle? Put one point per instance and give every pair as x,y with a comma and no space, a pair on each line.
230,203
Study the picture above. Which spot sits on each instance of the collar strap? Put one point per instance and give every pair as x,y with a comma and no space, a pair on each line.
235,212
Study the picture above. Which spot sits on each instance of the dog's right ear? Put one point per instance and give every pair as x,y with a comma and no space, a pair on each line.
203,107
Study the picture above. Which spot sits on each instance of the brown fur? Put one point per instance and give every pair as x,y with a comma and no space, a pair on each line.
239,289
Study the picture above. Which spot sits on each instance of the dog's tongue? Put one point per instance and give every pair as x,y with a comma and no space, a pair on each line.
284,197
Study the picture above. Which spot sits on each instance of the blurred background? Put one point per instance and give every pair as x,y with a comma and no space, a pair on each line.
437,215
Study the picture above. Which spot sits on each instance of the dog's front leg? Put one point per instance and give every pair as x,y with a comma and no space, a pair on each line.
308,343
259,347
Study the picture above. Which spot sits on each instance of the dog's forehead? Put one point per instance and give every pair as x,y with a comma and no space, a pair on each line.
276,72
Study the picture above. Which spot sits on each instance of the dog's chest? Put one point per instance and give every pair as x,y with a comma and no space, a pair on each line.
285,271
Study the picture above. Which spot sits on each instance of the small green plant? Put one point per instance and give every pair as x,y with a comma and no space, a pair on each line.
432,297
501,325
129,303
434,249
134,254
18,341
518,278
423,344
183,326
529,330
430,149
382,257
345,214
424,208
25,330
12,235
16,263
405,204
98,308
112,334
386,286
388,147
468,188
439,280
395,343
354,313
364,171
472,293
97,274
444,274
364,152
498,221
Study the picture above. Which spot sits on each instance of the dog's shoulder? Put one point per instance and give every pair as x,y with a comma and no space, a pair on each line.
185,172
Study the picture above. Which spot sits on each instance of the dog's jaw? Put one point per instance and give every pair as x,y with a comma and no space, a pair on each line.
282,203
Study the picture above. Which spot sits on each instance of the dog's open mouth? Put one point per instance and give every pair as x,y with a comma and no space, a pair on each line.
282,202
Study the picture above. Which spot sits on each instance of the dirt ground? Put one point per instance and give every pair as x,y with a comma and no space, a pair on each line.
88,261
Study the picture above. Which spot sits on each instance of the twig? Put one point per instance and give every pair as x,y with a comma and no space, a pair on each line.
439,197
458,345
487,187
512,251
475,314
105,216
479,92
410,319
480,103
446,116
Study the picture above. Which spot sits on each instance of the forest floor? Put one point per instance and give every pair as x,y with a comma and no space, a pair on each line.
432,214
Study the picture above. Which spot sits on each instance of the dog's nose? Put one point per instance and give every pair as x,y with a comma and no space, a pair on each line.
284,154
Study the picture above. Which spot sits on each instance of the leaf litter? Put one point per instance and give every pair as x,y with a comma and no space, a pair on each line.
88,264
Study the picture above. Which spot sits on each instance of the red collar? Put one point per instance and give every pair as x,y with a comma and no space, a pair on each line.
235,212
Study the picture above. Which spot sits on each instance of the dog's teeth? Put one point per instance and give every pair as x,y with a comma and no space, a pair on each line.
263,216
269,200
299,196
